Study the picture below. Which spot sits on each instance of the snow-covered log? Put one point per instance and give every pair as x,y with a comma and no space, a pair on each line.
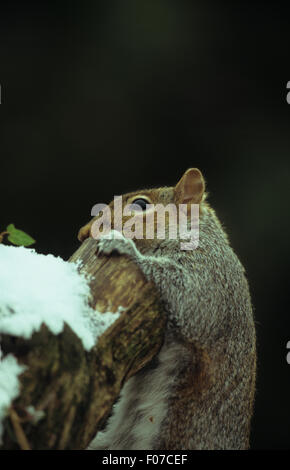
71,334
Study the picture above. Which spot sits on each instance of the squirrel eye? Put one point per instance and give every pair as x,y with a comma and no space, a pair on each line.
141,203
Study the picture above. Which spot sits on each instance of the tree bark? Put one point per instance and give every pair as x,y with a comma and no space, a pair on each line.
75,389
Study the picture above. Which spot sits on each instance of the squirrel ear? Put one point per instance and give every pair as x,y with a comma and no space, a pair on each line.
190,187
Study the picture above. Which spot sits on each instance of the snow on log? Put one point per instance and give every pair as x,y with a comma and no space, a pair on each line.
71,334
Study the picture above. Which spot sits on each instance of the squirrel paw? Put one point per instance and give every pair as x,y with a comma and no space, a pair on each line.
115,242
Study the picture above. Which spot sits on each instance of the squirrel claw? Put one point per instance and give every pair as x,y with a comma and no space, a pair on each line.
119,245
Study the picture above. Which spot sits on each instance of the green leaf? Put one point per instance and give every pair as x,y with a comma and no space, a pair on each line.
10,228
18,237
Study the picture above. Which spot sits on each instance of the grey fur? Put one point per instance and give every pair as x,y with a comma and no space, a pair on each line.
200,395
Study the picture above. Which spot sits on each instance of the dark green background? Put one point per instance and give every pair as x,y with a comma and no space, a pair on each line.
99,98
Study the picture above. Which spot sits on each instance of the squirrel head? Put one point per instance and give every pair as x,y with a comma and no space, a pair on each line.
136,211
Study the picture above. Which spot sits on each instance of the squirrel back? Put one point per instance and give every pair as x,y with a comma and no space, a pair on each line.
198,392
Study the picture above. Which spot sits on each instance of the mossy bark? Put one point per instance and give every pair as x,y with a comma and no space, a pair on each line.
76,389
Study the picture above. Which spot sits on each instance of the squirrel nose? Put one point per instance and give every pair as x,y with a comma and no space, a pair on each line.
84,232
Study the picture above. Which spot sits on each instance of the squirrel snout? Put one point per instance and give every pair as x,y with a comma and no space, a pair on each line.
84,232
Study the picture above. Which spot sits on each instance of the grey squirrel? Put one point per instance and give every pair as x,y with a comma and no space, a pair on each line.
198,392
